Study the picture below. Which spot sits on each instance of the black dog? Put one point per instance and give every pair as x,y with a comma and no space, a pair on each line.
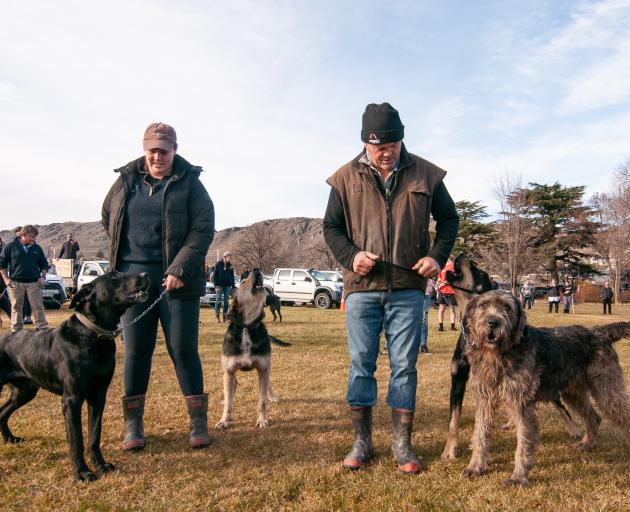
76,360
273,301
468,281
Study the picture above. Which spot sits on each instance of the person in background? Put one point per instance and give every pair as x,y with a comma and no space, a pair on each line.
69,249
223,279
527,295
429,294
160,220
607,297
553,295
567,297
23,266
446,296
377,227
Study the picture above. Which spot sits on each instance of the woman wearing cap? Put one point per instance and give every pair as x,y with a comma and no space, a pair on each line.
160,220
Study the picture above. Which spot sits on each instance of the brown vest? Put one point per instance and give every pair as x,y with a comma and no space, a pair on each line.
400,235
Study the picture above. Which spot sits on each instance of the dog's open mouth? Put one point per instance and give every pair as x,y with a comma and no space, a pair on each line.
140,296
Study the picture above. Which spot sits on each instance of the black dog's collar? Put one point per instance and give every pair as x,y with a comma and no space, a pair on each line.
102,333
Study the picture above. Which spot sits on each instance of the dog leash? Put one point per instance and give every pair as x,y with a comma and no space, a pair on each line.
104,333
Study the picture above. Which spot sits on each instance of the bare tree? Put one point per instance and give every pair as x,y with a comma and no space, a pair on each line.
258,248
322,256
613,214
511,255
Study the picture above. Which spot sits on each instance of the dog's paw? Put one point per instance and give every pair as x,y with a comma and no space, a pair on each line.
520,481
449,453
84,475
223,424
104,468
273,398
11,439
473,472
262,422
584,446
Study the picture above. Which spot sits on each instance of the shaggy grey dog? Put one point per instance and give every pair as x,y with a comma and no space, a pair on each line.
520,365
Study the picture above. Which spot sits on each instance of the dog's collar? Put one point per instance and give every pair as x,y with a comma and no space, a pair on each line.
102,333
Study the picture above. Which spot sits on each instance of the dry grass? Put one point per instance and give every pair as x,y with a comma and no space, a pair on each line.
295,463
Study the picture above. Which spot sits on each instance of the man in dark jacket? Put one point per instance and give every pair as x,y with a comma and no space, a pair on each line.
377,226
607,297
69,249
23,266
160,220
223,279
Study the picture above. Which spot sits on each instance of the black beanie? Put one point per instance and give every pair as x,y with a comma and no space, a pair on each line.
381,124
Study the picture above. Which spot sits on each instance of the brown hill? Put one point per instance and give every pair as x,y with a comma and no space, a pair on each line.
296,242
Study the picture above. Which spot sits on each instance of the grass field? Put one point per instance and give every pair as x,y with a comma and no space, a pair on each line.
295,463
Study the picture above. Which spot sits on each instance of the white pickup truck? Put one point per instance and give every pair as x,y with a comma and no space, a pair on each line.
299,286
77,273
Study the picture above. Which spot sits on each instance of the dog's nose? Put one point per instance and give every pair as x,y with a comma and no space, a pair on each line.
493,324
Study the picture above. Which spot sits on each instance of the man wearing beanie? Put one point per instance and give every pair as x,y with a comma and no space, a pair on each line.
377,226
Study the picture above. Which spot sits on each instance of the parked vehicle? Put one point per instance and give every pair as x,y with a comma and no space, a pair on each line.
328,275
77,273
54,291
298,286
211,293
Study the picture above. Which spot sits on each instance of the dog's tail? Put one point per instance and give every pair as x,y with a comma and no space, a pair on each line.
278,342
610,333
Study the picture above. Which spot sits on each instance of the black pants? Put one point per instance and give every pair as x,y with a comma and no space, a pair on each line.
553,304
180,324
607,303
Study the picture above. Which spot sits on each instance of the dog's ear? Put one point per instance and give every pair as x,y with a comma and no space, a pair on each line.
81,297
521,321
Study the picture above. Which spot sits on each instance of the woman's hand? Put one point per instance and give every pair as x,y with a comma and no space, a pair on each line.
172,283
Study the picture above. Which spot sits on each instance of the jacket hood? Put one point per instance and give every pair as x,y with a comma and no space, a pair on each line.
180,166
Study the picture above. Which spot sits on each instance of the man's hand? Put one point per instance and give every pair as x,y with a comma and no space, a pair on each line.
363,262
172,283
41,282
427,267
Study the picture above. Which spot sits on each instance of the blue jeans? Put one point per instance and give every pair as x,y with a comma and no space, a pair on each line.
223,295
424,331
399,315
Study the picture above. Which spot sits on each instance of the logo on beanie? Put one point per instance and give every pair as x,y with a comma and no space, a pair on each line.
374,139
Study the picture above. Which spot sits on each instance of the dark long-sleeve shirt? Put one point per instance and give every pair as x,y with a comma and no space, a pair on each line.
442,210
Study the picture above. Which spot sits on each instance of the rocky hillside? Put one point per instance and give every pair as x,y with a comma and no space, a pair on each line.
295,242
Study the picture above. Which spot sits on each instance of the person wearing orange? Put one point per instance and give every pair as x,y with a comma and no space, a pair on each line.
446,296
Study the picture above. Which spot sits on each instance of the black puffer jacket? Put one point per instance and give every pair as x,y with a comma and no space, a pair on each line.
187,220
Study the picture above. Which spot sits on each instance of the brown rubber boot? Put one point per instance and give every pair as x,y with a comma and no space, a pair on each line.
198,412
402,424
362,450
218,317
133,410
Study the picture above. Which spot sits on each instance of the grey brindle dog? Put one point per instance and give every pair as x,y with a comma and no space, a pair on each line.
521,365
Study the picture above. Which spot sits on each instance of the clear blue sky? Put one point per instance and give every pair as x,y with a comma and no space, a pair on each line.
268,96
